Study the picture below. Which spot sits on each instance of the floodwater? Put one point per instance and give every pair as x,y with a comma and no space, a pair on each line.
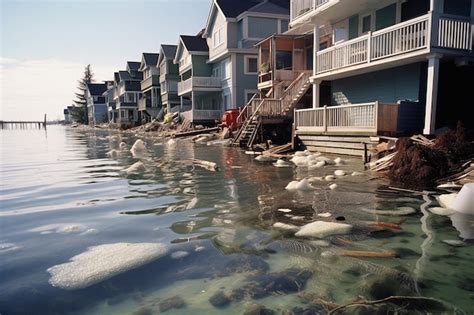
79,234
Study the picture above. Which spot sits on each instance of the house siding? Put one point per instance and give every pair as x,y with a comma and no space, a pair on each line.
200,67
243,81
262,27
218,22
390,86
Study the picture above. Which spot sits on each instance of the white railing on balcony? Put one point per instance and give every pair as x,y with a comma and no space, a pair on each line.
206,114
301,7
198,82
455,32
401,38
358,117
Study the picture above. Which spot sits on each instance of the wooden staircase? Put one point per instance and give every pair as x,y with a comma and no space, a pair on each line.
251,116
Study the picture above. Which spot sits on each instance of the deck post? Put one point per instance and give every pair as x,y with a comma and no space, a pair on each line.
369,47
431,94
316,84
325,118
376,117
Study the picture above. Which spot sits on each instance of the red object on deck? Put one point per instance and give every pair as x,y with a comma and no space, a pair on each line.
229,119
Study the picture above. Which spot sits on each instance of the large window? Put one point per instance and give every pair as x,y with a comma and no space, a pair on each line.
218,37
284,60
386,17
341,31
366,24
251,66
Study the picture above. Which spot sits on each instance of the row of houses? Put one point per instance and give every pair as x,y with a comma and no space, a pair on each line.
327,68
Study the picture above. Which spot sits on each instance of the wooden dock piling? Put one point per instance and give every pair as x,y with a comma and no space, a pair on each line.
22,124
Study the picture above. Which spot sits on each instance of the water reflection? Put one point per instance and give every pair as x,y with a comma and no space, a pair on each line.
218,227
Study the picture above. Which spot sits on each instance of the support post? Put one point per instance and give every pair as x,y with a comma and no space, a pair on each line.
325,119
316,93
316,85
431,94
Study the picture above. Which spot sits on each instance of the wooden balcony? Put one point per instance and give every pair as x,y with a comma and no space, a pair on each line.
401,43
359,119
199,83
302,8
202,115
152,81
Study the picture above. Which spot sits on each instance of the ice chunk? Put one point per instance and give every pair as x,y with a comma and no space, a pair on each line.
264,158
286,227
333,186
179,254
441,211
281,163
338,161
135,168
300,154
357,174
464,202
304,185
138,148
292,185
329,178
123,146
103,262
339,173
172,143
324,215
447,200
284,210
321,229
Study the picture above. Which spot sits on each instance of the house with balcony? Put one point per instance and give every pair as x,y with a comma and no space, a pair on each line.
110,98
128,94
96,106
199,90
388,67
232,30
169,78
149,105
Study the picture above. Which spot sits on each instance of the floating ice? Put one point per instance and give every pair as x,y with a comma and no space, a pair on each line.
333,186
329,178
464,202
286,227
263,158
304,185
135,168
447,200
357,174
103,262
8,247
318,164
339,173
138,148
292,185
172,143
300,154
321,229
281,163
324,215
179,254
441,211
338,161
62,228
284,210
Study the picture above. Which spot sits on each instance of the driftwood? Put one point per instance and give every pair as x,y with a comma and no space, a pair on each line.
211,166
384,225
277,151
195,132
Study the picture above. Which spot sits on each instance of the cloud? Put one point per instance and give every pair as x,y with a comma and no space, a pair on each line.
31,88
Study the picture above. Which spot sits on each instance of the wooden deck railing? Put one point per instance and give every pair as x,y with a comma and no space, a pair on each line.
455,32
401,38
196,82
301,7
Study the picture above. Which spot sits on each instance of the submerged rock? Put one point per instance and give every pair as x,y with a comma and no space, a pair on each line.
219,299
175,302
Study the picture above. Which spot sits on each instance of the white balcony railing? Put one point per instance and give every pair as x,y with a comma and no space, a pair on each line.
359,117
401,38
198,82
455,32
301,7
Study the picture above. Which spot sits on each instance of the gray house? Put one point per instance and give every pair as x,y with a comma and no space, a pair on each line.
128,94
111,97
96,106
232,30
169,78
149,105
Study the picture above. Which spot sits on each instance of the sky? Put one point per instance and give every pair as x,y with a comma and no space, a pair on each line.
45,45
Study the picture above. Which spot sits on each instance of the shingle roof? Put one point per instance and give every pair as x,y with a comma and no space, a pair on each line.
125,75
195,43
151,59
169,51
273,7
233,8
133,65
96,88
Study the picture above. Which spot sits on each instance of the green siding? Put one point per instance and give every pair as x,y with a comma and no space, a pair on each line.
262,27
386,17
173,68
391,85
200,67
353,26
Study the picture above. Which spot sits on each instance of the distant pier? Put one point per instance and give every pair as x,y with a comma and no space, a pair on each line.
23,124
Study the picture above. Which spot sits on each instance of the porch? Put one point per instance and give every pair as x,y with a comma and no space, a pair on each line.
369,119
199,83
205,106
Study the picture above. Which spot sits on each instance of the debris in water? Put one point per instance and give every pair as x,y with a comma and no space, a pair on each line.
103,262
179,254
321,229
333,186
284,210
339,173
138,148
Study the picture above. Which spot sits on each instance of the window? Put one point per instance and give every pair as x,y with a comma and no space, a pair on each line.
341,32
385,17
226,64
227,101
366,24
283,26
284,60
249,94
251,66
216,73
218,37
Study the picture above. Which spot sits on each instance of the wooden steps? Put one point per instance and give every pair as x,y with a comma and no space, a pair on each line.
346,145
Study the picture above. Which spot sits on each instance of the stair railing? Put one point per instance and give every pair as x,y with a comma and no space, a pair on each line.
248,120
290,93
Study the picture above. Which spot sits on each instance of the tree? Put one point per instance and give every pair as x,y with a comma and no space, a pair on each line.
81,96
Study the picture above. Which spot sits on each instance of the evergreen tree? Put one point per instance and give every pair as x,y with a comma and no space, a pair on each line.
81,96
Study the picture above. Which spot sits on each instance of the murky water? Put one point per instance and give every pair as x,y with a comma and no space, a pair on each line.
174,230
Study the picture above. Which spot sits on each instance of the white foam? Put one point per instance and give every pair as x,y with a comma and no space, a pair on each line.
9,247
179,254
322,229
103,262
62,228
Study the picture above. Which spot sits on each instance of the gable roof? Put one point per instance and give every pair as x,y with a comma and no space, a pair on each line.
133,65
194,43
232,8
169,51
280,7
151,59
125,75
96,89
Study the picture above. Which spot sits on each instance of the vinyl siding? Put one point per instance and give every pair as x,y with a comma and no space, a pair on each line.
390,86
262,27
243,82
200,67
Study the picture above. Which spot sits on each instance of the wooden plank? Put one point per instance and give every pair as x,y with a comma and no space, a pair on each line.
336,139
195,132
318,131
347,145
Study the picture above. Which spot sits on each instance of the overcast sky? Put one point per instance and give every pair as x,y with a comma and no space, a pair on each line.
45,44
